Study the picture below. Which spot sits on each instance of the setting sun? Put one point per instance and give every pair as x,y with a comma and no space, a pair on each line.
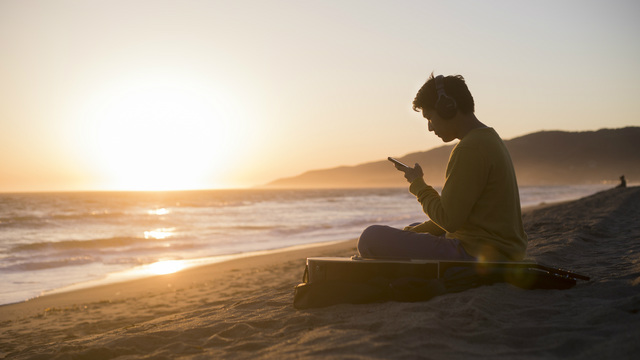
155,134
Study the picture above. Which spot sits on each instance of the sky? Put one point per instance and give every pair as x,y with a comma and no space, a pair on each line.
164,95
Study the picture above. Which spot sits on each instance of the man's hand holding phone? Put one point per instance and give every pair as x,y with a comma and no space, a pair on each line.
410,173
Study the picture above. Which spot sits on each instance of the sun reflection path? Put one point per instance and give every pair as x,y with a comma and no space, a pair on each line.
166,267
161,211
159,234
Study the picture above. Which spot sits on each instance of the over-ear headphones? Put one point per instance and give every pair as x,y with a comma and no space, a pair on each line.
445,106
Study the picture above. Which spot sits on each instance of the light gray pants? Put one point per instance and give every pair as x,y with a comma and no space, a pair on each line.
385,242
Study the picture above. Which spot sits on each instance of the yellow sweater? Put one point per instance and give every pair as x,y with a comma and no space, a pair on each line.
480,203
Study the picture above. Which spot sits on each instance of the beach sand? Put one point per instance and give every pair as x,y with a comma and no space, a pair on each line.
243,308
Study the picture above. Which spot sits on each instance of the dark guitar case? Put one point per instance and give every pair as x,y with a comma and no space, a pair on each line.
334,280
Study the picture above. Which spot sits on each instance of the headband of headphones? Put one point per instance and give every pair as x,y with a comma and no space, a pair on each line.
440,87
445,105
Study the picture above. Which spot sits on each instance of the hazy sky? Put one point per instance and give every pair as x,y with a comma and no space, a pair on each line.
156,94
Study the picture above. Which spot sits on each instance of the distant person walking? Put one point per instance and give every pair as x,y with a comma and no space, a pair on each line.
623,182
477,215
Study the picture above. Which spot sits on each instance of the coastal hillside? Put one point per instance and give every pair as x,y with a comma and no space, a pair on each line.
541,158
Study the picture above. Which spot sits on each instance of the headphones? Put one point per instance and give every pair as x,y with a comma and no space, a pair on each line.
446,106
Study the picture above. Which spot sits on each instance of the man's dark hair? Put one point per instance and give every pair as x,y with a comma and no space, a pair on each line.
454,86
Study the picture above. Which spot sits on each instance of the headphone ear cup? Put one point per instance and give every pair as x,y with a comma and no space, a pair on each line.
446,107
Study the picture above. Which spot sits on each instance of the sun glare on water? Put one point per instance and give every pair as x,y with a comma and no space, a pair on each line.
166,267
160,211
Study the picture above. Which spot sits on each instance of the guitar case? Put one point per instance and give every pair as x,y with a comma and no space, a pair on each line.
335,280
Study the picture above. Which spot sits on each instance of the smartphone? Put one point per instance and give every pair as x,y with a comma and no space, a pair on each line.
397,162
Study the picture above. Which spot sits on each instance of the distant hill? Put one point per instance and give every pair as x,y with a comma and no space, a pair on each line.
541,158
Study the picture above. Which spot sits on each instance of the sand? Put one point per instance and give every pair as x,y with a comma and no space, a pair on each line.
243,308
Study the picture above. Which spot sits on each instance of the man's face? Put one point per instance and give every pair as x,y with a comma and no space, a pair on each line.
441,127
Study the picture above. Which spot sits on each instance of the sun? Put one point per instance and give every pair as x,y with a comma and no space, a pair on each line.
162,135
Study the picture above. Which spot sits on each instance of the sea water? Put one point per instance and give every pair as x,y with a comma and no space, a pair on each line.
52,241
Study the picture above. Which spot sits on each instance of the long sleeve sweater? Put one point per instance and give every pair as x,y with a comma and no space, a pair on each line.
480,203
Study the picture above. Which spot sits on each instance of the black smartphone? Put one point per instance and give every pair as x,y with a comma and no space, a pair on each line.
396,161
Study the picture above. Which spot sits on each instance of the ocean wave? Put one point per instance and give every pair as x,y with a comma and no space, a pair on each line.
215,204
290,230
42,265
89,215
250,227
82,244
45,220
23,220
23,262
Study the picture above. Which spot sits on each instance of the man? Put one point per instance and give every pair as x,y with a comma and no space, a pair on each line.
477,216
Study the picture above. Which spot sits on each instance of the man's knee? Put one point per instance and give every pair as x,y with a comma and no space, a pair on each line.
369,238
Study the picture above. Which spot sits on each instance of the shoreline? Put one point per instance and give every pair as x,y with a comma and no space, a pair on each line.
147,271
117,290
162,268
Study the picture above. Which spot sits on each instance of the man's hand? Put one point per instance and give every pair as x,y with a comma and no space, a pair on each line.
411,173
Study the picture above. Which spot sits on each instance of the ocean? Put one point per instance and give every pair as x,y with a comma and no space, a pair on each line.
58,241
